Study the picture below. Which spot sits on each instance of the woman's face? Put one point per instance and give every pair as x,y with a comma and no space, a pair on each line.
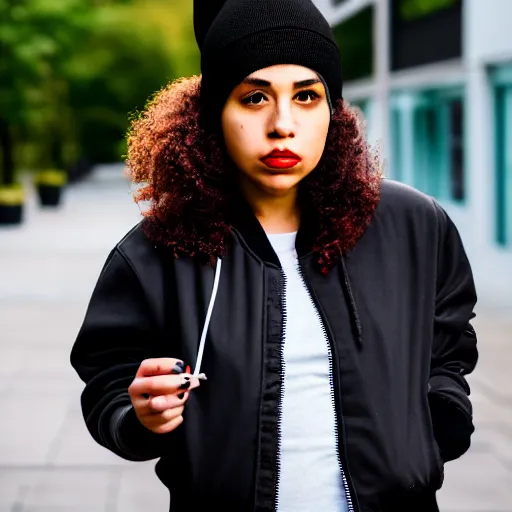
275,126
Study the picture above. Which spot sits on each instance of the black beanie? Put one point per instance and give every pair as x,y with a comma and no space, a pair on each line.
238,37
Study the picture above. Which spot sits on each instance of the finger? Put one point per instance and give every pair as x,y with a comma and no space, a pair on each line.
160,366
169,426
171,414
162,418
147,405
164,402
141,404
160,385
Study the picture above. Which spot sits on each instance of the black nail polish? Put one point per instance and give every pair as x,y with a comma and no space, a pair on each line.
185,385
178,368
145,395
181,396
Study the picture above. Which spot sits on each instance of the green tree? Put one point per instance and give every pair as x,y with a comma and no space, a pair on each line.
35,37
72,70
121,63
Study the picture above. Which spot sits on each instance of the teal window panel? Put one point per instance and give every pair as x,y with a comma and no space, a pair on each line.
503,117
397,160
427,143
502,75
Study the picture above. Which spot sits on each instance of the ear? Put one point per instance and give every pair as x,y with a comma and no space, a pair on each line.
205,12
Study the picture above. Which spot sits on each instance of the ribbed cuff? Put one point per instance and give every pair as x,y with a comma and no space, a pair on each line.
133,439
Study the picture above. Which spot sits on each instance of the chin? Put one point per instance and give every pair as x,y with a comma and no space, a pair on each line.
280,185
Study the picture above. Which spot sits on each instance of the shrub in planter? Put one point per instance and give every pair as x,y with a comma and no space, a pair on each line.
11,204
49,186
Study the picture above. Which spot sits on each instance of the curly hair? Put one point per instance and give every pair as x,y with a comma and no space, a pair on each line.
185,175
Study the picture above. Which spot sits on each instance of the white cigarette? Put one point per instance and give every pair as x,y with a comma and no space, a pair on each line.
201,376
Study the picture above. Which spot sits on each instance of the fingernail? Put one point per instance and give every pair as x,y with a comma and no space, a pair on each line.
178,368
186,384
145,395
187,370
181,396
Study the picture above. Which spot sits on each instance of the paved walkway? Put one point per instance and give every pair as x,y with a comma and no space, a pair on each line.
48,462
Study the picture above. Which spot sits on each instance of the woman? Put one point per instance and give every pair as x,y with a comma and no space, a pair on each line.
327,307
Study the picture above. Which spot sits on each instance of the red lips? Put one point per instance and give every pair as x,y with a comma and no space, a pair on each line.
281,159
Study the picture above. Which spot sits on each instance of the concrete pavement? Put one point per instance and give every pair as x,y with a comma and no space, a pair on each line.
48,462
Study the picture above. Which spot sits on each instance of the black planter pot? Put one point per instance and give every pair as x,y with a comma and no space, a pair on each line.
11,214
49,195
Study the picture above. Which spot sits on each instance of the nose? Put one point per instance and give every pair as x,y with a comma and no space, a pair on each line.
282,124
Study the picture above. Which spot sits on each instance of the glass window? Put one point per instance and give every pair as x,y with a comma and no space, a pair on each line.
355,39
427,142
504,164
397,157
456,149
425,31
416,9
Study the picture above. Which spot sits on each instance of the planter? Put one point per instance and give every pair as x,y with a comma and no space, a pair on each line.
11,205
49,195
49,186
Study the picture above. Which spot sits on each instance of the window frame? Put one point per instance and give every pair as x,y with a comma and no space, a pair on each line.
501,80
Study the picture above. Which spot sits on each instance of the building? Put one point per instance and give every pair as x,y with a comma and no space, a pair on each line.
434,80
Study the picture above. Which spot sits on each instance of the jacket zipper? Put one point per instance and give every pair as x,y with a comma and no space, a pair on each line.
281,395
337,408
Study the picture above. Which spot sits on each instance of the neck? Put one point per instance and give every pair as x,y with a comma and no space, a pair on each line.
276,214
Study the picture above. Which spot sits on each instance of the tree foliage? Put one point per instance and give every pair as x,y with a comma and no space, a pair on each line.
71,71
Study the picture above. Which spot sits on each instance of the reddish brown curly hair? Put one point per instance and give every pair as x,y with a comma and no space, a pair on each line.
184,173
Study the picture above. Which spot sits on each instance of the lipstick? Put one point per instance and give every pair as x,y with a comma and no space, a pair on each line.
281,159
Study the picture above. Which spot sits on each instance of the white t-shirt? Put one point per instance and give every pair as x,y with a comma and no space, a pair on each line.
310,477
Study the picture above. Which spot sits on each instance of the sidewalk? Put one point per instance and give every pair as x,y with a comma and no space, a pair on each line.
48,267
49,463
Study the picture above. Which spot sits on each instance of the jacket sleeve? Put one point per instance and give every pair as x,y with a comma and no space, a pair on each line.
116,336
454,352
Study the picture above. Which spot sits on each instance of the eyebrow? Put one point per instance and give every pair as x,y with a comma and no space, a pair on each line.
258,82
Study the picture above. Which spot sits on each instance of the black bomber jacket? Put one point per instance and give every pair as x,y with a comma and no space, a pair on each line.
396,311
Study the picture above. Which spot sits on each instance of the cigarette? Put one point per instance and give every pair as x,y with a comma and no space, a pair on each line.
199,376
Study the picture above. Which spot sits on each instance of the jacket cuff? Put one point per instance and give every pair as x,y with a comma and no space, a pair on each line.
132,439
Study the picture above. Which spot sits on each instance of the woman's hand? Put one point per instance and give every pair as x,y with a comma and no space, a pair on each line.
159,393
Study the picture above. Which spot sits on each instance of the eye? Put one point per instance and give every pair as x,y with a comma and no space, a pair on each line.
257,98
307,96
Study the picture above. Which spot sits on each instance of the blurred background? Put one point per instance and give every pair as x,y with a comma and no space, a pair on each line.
434,81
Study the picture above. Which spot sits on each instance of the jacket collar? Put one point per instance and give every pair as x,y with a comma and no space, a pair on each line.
247,225
245,222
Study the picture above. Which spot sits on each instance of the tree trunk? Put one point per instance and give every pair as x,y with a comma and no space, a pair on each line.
56,151
6,147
